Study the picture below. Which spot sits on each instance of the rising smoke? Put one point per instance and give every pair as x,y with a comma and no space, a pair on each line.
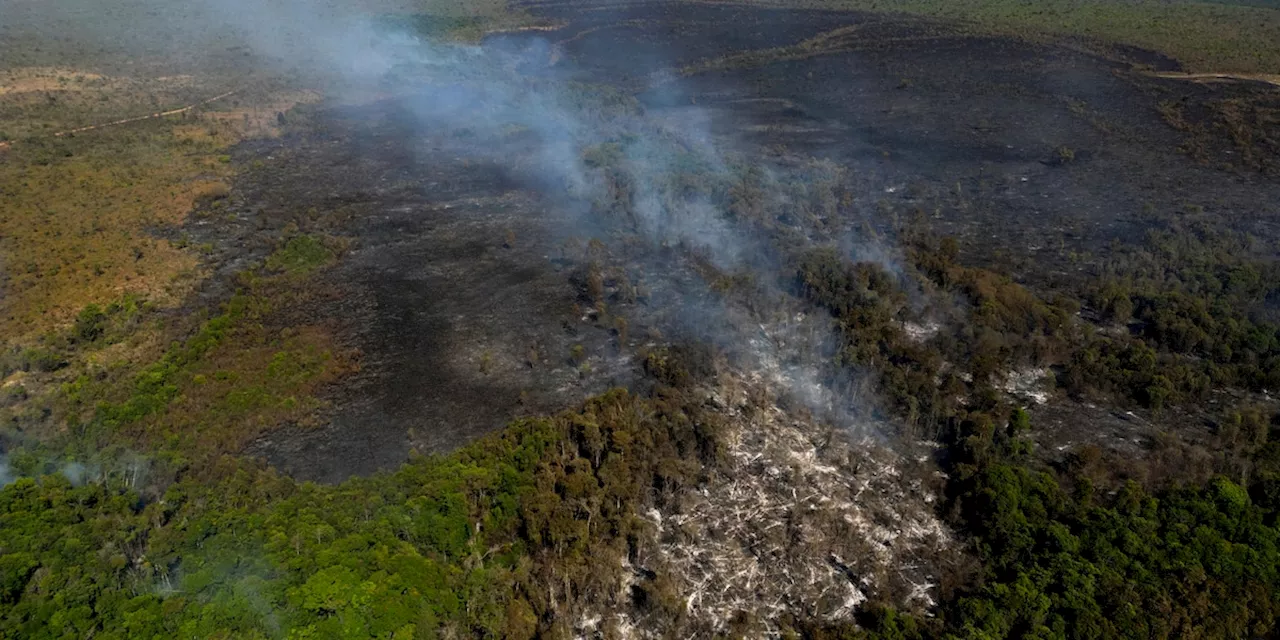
669,176
520,83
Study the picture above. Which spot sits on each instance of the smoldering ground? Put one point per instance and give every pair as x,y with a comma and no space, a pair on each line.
579,133
571,160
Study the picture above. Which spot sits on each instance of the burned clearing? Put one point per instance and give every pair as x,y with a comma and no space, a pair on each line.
452,287
458,286
1024,151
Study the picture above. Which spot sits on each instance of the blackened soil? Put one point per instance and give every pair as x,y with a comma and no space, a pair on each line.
452,289
1035,156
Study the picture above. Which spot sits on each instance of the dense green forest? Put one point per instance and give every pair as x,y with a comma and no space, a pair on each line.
496,540
499,540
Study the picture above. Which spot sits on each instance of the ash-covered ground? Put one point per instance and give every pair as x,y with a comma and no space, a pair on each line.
465,285
1005,143
452,289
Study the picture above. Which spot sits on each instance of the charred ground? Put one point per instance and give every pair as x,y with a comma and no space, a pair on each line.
456,286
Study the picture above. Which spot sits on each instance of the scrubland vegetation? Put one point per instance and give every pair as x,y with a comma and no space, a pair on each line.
76,220
96,273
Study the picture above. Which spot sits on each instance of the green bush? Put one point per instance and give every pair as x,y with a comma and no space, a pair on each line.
301,254
90,324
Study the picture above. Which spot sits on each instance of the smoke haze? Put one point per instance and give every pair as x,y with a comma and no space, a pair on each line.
593,151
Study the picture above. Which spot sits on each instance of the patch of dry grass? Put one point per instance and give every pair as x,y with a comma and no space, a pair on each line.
38,101
81,211
74,232
38,79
